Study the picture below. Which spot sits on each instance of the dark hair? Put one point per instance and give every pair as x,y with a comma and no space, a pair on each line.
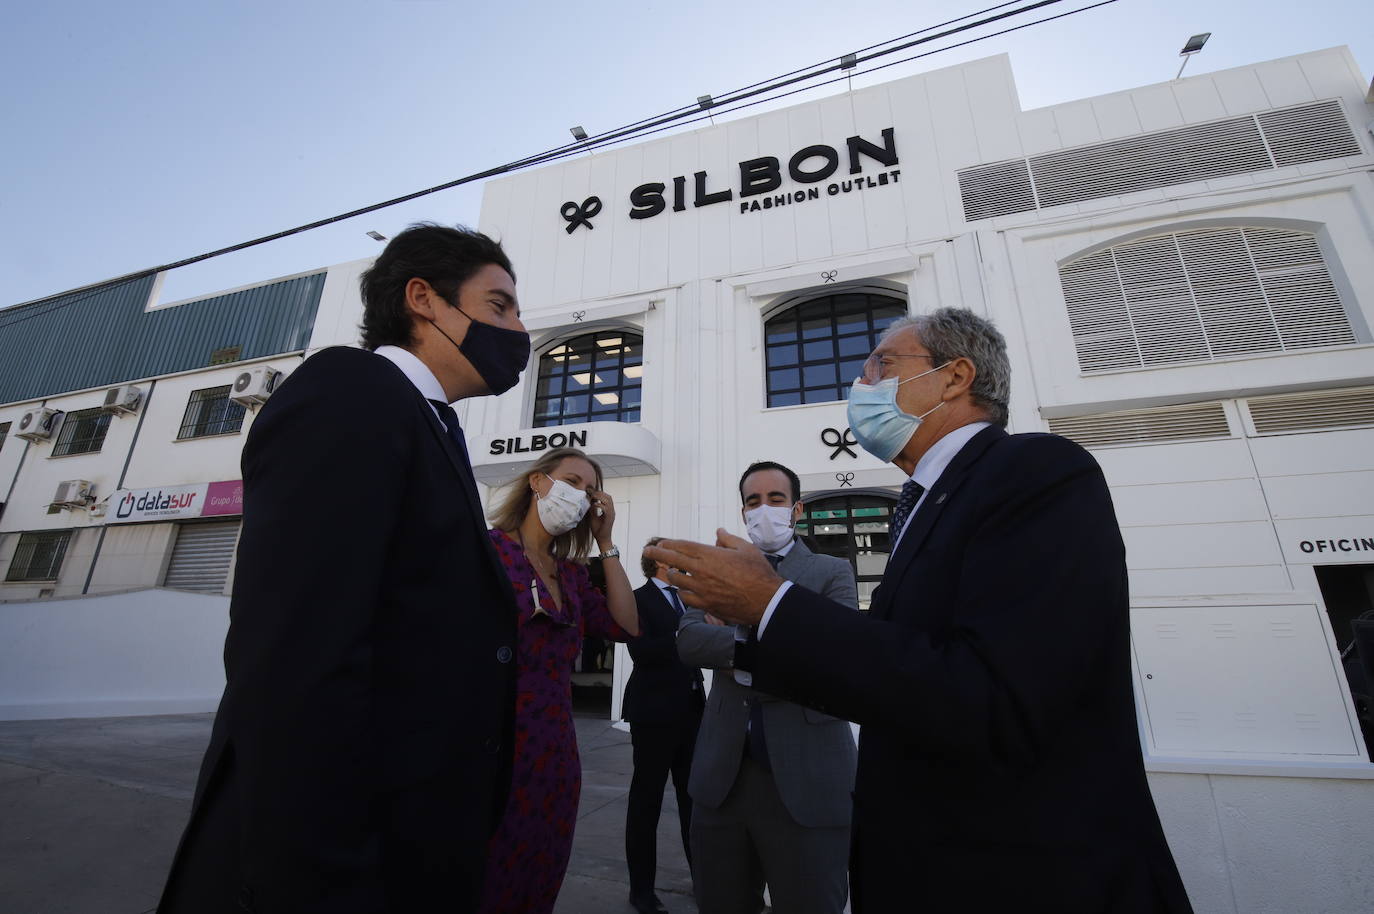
646,564
770,465
442,256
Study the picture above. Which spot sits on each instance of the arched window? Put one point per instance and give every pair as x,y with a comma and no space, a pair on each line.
595,377
1200,296
854,528
817,348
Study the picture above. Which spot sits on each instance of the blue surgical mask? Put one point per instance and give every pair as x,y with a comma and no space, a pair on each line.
881,426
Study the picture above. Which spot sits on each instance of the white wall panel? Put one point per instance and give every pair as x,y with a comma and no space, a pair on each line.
1182,462
684,232
1319,452
746,229
1240,91
630,173
571,250
779,226
1284,82
1214,580
1324,495
1217,501
1116,116
848,226
653,233
1201,545
931,207
609,224
1157,107
1209,683
1077,123
813,225
1198,99
992,97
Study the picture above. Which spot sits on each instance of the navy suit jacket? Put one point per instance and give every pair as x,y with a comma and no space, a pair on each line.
662,689
367,719
999,759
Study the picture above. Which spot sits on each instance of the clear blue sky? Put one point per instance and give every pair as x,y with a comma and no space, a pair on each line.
138,134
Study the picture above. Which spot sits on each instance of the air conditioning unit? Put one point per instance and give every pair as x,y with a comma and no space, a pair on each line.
39,424
73,493
122,399
254,386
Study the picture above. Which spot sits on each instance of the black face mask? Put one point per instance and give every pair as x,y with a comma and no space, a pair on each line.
498,354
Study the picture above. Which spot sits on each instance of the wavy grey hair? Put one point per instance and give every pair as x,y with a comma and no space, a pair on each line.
951,333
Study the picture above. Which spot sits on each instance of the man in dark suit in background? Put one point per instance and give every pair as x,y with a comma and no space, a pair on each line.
662,703
999,760
361,753
769,775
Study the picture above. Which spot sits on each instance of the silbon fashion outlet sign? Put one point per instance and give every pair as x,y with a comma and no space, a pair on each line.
810,170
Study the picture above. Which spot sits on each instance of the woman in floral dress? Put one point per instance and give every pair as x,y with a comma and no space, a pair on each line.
544,524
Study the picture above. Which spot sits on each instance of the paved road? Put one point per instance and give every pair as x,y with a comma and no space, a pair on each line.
91,810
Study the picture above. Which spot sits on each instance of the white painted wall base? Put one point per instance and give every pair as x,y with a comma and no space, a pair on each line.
142,652
1270,845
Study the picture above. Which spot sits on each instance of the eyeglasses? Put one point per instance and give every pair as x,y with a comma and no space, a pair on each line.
875,366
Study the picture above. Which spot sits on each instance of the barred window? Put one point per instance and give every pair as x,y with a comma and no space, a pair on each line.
816,349
38,556
83,432
1201,296
4,433
596,377
211,412
854,528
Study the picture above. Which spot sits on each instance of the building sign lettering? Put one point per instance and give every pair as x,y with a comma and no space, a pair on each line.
204,499
538,443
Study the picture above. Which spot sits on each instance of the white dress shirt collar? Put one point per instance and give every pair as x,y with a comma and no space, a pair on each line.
935,461
417,372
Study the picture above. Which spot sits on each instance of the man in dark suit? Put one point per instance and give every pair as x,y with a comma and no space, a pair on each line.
999,760
663,702
361,753
769,775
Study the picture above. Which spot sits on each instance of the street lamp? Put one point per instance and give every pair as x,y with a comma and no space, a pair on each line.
1192,47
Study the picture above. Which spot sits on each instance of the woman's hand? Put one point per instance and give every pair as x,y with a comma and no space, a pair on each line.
603,517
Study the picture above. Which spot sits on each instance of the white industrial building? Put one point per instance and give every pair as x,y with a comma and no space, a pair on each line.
1185,276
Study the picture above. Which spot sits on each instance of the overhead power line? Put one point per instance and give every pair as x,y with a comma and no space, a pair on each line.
734,100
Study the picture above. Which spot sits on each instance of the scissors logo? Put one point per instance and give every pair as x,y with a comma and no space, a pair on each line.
829,275
842,442
845,479
577,316
580,215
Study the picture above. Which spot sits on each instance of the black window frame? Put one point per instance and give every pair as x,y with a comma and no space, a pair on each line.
206,424
83,432
814,349
56,540
4,433
560,398
843,509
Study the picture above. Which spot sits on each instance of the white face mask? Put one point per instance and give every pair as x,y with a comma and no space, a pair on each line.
562,508
770,526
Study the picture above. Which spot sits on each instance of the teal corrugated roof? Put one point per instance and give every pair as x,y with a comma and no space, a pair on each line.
99,337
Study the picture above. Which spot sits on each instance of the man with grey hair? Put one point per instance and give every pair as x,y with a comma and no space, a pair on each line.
999,760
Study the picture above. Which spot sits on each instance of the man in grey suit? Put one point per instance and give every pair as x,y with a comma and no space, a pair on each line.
770,780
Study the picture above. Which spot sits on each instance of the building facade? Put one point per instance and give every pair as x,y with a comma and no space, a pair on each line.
1185,276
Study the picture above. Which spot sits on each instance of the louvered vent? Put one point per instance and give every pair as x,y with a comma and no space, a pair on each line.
1311,133
1230,147
201,556
1238,145
1137,426
996,190
1202,295
1325,409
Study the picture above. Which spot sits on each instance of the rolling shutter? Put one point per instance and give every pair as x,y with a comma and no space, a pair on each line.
201,556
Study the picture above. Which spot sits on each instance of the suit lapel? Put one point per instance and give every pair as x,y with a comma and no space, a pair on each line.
926,516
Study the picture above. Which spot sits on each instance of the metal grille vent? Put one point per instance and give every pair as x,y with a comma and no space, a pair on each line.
1201,295
1179,156
1310,133
1325,409
201,557
996,190
1238,145
1165,423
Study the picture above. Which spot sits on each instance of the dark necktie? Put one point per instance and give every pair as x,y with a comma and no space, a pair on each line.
911,493
455,431
674,599
774,560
